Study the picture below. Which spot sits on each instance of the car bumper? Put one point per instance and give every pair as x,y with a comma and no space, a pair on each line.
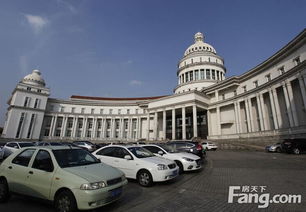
91,199
192,166
164,175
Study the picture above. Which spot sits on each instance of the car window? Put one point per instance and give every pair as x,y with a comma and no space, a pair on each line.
109,151
153,149
11,144
140,152
24,157
74,157
120,152
25,144
43,161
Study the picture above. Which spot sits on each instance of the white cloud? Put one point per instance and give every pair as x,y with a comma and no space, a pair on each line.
37,23
135,82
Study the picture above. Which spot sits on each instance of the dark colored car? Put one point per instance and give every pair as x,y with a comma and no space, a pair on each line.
86,145
45,143
295,146
188,146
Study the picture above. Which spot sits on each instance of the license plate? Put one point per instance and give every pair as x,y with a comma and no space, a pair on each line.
116,192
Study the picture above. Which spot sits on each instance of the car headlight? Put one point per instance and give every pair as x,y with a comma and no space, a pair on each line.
188,159
93,186
161,167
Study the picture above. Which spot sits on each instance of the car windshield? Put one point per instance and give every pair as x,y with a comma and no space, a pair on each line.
168,148
25,144
140,152
74,157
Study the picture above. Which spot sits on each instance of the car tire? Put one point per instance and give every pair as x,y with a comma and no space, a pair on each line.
278,149
4,191
296,151
181,167
144,178
65,202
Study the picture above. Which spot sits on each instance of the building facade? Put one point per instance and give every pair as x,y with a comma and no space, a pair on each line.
268,100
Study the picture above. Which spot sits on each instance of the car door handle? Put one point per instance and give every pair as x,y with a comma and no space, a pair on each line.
10,167
30,172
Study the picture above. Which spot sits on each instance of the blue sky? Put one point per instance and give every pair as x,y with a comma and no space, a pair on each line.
130,48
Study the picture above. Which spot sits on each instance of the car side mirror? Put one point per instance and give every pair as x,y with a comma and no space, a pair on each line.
160,152
128,157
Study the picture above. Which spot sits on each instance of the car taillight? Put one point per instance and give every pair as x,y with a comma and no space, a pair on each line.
199,147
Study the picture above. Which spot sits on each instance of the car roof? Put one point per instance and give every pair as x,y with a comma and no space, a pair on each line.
125,146
52,147
20,142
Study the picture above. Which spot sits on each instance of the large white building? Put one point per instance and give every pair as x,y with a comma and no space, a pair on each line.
268,100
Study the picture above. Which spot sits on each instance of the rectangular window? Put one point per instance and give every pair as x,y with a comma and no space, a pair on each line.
268,77
59,123
47,132
213,74
255,83
88,134
136,111
72,109
31,126
191,75
101,111
20,124
187,77
36,104
207,74
38,90
58,133
196,76
80,123
281,70
90,124
68,133
79,133
92,110
202,74
70,123
99,124
128,111
98,134
119,111
244,88
297,60
110,111
62,109
82,110
235,92
26,102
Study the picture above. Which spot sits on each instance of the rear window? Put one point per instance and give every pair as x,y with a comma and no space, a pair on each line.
25,144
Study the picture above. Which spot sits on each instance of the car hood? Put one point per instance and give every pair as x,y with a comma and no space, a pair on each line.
95,172
185,155
157,160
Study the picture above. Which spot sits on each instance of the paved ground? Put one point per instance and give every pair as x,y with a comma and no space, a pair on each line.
207,190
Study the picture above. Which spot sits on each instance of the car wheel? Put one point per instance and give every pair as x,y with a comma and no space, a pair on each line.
145,178
296,151
278,149
65,202
4,191
181,167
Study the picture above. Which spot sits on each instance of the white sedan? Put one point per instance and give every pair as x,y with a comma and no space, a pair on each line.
185,161
138,163
207,145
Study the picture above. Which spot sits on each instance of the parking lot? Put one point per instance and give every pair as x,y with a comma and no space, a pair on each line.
207,190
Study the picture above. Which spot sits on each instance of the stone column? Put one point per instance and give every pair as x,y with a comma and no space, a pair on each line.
63,130
239,117
164,124
51,126
237,123
287,101
291,99
260,113
183,122
103,128
155,125
173,124
148,124
84,127
217,95
303,91
74,126
195,121
277,108
249,128
218,121
208,123
273,109
251,115
264,114
94,127
54,126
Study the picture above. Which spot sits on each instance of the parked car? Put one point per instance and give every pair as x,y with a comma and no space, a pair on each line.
185,161
138,163
70,177
274,148
86,144
13,146
44,143
208,145
295,146
1,153
188,146
70,144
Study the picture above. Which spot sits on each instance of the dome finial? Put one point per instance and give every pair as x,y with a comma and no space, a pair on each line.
198,37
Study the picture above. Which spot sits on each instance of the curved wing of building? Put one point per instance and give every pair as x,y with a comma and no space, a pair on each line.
268,100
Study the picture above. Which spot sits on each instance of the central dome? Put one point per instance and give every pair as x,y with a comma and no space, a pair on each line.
199,45
34,79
